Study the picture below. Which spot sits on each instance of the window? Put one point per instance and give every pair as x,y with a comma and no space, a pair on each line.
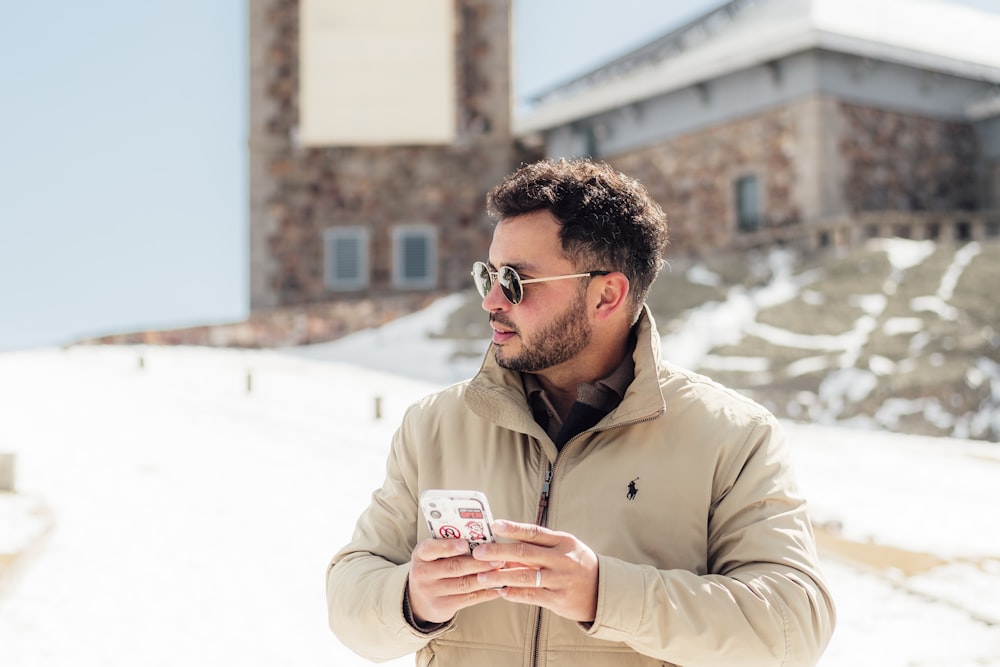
414,261
748,208
345,261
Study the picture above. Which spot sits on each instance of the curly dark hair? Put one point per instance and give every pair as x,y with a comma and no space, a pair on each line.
608,220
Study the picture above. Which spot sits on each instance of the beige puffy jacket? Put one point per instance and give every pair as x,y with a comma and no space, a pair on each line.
712,562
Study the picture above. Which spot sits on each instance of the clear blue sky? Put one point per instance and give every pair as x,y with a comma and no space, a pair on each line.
123,187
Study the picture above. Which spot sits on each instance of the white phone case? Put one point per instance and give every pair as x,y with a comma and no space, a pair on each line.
458,514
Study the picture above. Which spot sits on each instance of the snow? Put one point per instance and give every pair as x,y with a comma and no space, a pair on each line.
934,304
179,505
961,260
699,274
193,520
21,521
903,253
718,324
895,326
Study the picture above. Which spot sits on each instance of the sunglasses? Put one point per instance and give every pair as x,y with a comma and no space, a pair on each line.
511,284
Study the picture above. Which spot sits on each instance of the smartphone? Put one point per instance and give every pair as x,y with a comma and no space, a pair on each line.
458,514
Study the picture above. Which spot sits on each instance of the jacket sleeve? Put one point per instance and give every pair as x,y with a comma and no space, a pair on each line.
366,580
763,600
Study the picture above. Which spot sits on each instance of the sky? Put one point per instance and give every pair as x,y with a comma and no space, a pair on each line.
123,155
187,521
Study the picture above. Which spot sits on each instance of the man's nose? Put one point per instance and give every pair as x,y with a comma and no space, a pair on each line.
494,299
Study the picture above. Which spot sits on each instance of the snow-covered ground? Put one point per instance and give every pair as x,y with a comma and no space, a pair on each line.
189,500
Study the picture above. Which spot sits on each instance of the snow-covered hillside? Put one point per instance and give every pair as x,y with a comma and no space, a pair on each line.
896,334
190,498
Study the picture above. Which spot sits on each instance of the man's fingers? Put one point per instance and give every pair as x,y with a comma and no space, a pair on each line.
443,580
531,545
517,577
526,532
429,550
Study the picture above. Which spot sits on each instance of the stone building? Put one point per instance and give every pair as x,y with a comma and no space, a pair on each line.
814,121
376,129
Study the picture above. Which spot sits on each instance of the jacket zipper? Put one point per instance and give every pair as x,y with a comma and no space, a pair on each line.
543,500
543,508
542,517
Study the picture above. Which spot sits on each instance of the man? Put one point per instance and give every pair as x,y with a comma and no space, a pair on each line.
646,515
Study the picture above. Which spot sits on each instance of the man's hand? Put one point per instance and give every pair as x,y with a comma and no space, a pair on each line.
443,579
554,570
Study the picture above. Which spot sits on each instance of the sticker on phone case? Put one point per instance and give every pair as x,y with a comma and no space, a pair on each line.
449,532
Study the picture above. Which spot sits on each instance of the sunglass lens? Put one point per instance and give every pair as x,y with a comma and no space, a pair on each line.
481,276
510,283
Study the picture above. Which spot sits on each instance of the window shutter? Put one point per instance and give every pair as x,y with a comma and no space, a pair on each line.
345,258
415,256
748,210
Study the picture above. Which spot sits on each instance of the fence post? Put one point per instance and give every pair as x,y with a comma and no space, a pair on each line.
7,471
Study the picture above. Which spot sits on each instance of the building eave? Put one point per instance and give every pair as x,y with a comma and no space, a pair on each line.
749,40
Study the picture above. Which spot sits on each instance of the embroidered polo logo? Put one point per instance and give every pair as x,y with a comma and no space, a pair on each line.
633,490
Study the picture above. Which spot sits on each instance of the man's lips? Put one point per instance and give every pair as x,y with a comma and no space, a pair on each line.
501,337
501,332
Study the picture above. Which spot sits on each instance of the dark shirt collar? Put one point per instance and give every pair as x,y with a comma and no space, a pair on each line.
602,396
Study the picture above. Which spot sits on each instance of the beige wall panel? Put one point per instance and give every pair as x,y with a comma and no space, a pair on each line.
378,72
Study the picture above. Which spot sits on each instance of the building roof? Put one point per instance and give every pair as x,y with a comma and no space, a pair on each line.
739,34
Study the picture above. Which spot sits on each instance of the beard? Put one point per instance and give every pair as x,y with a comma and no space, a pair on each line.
564,338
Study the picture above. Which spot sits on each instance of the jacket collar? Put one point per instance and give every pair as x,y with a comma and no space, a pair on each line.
497,394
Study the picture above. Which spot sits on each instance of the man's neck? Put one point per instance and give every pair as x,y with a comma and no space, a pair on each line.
561,384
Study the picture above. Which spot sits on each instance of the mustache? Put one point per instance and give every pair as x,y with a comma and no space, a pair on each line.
502,321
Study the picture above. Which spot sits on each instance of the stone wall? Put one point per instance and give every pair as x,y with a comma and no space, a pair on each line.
297,192
692,177
897,161
878,160
282,327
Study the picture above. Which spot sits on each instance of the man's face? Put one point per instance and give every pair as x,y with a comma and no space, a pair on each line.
549,327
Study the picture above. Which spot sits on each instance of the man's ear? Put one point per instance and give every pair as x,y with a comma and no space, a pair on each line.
611,299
